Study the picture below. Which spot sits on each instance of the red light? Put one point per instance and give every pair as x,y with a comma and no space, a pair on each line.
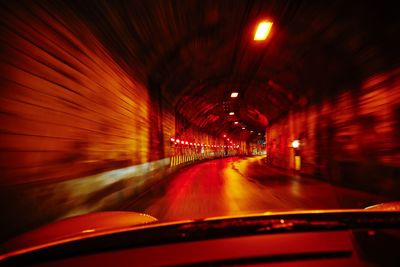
263,30
228,139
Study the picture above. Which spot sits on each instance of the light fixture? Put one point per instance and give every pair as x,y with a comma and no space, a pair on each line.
232,113
224,135
243,128
263,30
295,143
234,94
236,122
172,140
252,131
259,133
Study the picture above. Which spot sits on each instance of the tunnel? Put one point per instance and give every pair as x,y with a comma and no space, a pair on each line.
102,101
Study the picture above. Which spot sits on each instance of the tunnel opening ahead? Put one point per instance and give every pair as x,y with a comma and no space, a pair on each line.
101,101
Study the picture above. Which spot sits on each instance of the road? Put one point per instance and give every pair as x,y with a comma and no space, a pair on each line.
234,186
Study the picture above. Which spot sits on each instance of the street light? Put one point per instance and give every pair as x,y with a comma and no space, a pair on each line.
263,30
295,143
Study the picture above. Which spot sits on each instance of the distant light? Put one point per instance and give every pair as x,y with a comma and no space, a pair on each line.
243,128
234,94
252,131
177,140
232,113
236,122
259,133
172,140
224,135
263,30
227,139
182,142
191,144
295,143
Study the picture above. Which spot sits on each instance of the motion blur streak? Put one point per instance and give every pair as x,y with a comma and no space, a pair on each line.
234,186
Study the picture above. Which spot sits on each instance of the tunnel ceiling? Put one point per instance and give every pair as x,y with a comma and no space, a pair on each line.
197,52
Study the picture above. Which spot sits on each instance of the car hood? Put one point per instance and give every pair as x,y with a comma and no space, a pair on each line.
77,227
103,223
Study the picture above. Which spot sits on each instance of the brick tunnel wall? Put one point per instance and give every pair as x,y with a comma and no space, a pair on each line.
352,139
77,133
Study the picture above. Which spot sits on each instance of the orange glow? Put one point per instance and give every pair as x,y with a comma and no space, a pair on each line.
88,231
263,30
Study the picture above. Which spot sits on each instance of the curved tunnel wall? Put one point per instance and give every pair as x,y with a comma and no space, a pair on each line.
351,139
78,133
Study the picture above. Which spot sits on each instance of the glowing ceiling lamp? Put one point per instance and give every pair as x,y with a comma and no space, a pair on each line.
295,143
263,30
234,94
231,113
236,122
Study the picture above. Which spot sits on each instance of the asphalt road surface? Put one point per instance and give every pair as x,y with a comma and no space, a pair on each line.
235,186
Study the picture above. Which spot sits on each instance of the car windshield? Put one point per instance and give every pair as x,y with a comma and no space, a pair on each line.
187,110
